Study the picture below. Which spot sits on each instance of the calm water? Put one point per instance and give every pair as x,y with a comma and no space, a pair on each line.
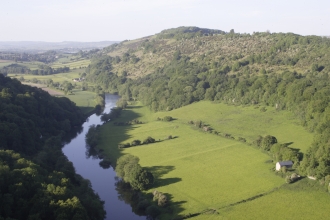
103,180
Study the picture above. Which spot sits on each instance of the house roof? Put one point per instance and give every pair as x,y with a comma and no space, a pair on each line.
286,163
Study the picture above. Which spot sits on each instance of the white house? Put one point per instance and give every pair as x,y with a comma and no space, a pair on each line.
280,164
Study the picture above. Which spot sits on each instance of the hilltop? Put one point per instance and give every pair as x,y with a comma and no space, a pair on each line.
272,52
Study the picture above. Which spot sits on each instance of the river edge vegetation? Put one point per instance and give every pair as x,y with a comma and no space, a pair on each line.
270,72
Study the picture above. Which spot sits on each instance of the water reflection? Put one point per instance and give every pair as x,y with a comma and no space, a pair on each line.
86,162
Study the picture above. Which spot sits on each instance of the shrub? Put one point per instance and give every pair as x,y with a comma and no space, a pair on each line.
149,140
160,198
167,118
135,143
241,139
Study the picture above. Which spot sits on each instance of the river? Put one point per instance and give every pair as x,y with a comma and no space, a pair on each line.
103,180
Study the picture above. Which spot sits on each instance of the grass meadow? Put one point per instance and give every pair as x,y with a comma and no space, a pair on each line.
83,99
71,64
30,65
59,77
199,170
303,200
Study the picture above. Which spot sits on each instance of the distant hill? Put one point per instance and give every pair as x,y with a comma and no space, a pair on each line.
40,46
274,52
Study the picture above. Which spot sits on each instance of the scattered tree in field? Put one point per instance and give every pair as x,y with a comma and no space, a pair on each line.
268,141
130,171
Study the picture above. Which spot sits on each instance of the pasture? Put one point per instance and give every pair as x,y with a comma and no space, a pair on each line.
30,65
199,170
246,121
59,77
71,64
83,99
302,200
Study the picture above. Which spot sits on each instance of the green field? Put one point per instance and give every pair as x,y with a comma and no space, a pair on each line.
30,65
72,64
83,99
201,170
59,77
247,122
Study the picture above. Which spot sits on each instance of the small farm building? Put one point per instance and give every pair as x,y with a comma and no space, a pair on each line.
287,164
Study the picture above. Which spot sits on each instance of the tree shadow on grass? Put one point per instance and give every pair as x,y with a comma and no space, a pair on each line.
288,144
173,209
159,172
133,107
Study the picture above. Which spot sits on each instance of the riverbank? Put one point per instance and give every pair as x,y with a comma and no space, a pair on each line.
103,181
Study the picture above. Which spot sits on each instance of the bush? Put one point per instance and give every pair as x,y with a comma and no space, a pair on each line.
149,140
160,198
135,143
167,118
241,139
121,146
292,178
169,137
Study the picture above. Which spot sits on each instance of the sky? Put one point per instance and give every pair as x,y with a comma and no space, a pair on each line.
117,20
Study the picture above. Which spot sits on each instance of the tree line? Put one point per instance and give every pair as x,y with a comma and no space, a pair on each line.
42,70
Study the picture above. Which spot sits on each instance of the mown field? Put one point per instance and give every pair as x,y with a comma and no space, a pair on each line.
71,64
199,170
247,122
30,65
59,77
83,99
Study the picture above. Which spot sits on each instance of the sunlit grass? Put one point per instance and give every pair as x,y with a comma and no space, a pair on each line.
201,170
72,64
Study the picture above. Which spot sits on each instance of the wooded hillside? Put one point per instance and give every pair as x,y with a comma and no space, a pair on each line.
185,65
36,179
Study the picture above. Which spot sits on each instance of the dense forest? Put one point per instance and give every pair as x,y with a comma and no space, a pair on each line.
36,179
186,65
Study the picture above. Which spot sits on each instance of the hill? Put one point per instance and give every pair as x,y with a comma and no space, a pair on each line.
177,70
272,52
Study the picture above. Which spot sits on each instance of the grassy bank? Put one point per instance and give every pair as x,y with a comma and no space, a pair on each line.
199,170
85,100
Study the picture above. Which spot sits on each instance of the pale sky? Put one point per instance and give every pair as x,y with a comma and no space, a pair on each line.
98,20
